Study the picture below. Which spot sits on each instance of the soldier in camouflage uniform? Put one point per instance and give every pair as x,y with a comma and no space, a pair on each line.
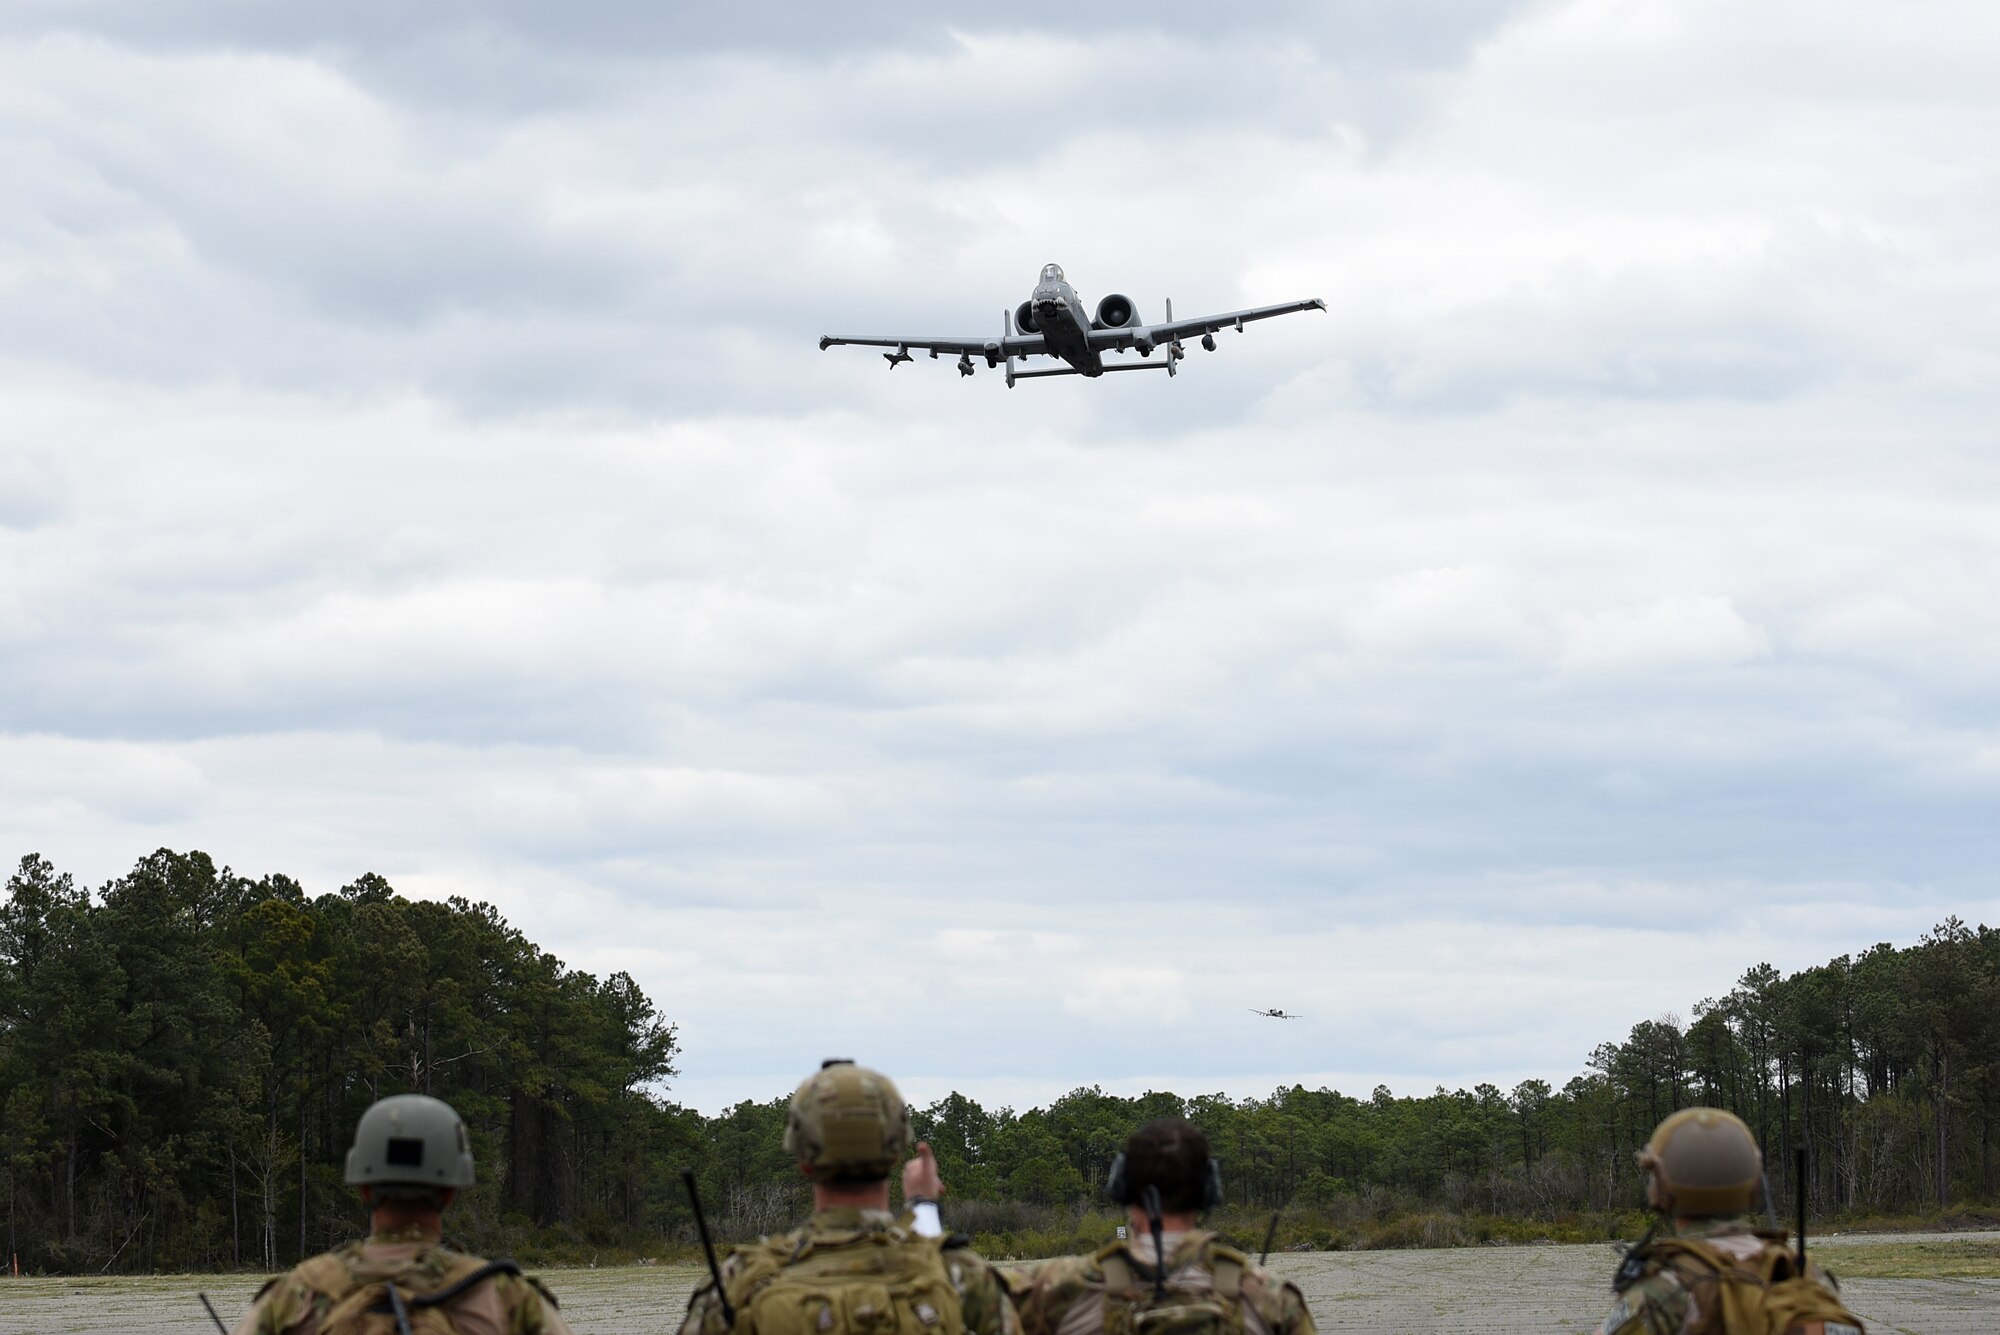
856,1269
1206,1288
409,1159
1715,1272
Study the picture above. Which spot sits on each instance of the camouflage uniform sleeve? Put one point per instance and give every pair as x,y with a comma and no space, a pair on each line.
531,1308
1018,1278
704,1314
1658,1304
1279,1302
1051,1289
282,1306
985,1300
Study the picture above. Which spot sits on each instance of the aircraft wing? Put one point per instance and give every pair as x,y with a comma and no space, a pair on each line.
1168,331
1011,345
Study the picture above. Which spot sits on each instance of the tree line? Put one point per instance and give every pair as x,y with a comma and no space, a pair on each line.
183,1057
184,1052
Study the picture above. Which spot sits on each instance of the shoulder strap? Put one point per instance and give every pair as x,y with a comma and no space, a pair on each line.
1774,1262
468,1272
548,1294
1694,1249
1778,1262
324,1274
748,1269
1119,1276
1227,1270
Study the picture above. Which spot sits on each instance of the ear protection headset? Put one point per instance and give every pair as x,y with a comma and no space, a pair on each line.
1118,1190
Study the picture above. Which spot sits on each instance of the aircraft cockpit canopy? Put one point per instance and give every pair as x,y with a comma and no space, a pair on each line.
1052,273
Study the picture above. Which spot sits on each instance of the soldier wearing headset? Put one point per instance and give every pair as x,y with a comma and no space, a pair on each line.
1169,1275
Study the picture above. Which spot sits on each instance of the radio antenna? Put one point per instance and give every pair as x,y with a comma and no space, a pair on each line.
1151,1197
708,1247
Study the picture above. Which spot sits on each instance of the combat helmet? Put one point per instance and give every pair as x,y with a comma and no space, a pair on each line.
409,1141
1704,1162
847,1123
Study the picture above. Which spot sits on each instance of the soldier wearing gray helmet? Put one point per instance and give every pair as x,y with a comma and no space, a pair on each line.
410,1158
855,1269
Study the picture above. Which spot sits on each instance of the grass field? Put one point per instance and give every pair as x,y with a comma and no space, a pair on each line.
1924,1284
1915,1258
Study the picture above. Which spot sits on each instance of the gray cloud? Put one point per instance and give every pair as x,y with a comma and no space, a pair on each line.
416,459
1429,32
281,217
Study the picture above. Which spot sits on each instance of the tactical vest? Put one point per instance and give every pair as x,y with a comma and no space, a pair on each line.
1760,1295
384,1304
1203,1295
869,1282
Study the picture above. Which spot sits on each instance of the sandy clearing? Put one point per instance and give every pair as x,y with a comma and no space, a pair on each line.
1546,1288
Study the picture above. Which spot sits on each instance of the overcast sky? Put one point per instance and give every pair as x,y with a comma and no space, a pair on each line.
415,458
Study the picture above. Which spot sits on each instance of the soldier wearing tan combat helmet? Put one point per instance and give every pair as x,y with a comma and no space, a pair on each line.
1715,1272
854,1266
410,1159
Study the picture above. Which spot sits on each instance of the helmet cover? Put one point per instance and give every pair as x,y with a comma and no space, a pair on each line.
847,1123
1704,1162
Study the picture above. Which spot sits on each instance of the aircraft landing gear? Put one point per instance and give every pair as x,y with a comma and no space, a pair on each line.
1208,342
964,364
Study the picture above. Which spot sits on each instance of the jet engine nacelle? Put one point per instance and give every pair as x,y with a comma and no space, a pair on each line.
1024,318
1116,312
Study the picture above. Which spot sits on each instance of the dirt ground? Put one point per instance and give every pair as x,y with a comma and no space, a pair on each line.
1548,1288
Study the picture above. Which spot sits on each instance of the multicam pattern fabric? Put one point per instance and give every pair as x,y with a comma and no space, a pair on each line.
984,1305
295,1304
1069,1296
1683,1299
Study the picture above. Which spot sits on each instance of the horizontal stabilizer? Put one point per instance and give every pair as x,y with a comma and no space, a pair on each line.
1130,366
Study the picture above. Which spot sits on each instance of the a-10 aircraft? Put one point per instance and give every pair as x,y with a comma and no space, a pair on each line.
1053,323
1275,1014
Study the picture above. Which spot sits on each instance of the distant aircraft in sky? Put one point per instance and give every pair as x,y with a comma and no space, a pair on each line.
1275,1014
1052,323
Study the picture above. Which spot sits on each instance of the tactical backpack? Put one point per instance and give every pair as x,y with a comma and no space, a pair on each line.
382,1304
1762,1295
872,1283
1195,1302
